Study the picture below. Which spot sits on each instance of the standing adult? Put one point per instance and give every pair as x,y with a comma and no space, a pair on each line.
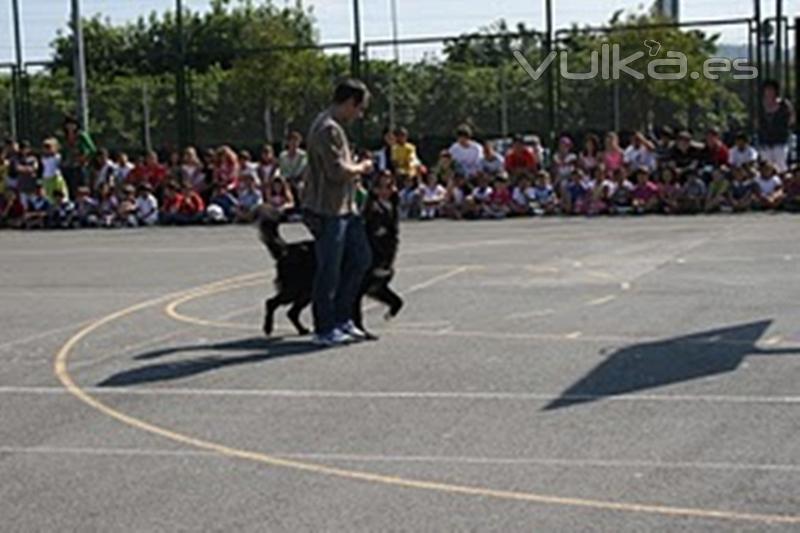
775,126
343,254
78,150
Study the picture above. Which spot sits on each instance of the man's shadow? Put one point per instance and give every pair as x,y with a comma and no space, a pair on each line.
261,350
655,364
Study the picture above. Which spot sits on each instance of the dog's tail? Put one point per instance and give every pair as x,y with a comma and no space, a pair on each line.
268,223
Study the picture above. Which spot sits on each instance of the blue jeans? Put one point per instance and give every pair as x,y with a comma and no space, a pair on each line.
343,259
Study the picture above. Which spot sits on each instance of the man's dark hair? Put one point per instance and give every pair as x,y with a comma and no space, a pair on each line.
464,131
773,84
350,89
743,136
69,119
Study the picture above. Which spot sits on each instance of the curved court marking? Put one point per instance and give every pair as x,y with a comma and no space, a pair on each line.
62,372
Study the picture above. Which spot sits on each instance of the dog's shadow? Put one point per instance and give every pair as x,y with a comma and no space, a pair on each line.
262,350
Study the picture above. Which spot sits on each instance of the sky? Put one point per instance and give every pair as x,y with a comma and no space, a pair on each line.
42,18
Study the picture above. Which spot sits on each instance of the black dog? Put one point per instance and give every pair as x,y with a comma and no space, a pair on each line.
296,263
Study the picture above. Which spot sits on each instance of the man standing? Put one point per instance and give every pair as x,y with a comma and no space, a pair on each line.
342,251
78,150
775,127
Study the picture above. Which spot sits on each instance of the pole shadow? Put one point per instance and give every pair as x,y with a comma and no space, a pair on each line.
655,364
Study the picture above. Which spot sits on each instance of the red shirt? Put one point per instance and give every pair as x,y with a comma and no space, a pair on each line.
172,204
153,174
500,197
719,154
525,160
192,204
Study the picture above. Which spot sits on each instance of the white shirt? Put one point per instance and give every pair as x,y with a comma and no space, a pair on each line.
147,209
122,171
523,196
768,186
470,157
738,157
433,194
639,157
50,166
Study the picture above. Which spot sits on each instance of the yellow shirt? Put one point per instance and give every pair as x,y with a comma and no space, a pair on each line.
404,157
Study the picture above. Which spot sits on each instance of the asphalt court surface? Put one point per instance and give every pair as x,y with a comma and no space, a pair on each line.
549,375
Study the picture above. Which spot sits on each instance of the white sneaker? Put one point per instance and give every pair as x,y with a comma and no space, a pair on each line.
335,338
349,329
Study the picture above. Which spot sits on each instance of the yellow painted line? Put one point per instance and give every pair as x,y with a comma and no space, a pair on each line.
61,370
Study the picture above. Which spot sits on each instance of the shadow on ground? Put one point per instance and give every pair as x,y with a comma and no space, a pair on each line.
264,350
655,364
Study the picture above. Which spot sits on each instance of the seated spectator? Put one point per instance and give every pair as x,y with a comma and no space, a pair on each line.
645,193
740,192
223,205
37,208
578,194
602,191
467,153
87,209
640,153
590,157
227,171
613,155
279,196
192,208
404,154
192,171
268,165
716,153
524,196
685,154
51,169
664,143
251,197
520,159
564,163
170,204
547,202
717,198
149,171
791,191
410,202
246,163
383,157
455,200
742,152
174,163
669,192
493,164
12,210
146,206
126,213
445,168
433,195
61,214
622,197
123,169
768,188
293,161
24,170
500,203
476,202
103,170
109,206
693,194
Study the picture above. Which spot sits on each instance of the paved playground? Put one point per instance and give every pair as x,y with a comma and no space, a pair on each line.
546,375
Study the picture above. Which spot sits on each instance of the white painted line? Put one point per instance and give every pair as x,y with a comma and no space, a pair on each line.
625,286
773,341
601,301
403,395
681,261
532,314
573,335
435,459
43,334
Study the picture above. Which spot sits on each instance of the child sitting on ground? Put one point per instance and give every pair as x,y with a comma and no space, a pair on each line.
669,192
477,201
499,204
38,208
547,202
791,191
740,192
524,196
12,210
622,197
86,209
62,212
717,198
410,201
645,193
433,195
768,188
455,199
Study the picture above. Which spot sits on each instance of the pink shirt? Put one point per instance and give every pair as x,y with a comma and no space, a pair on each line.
613,160
646,192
